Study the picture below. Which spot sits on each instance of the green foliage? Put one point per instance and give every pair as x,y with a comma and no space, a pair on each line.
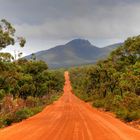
121,113
53,97
2,94
124,114
8,37
7,120
98,103
19,109
114,83
25,85
19,115
23,114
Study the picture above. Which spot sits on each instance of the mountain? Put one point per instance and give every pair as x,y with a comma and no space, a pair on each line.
114,46
106,50
73,53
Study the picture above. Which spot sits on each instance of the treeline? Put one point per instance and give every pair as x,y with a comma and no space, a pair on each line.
113,83
26,86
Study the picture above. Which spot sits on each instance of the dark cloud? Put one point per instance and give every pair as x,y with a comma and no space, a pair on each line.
29,11
52,20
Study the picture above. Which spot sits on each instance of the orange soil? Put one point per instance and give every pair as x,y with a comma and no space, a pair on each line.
70,119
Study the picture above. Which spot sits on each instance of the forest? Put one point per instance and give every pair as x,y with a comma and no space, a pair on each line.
26,86
112,84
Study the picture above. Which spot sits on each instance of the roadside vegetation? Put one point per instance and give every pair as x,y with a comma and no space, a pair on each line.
112,84
26,86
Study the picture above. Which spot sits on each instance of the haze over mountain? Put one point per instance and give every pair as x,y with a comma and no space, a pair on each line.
73,53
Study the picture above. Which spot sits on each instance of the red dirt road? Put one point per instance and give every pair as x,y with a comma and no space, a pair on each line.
70,119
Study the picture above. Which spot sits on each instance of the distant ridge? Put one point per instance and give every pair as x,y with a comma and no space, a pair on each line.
73,53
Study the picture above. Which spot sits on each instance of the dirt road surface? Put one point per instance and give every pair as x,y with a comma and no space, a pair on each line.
70,119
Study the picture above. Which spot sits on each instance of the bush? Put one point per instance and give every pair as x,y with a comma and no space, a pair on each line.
134,115
53,97
6,120
21,111
20,103
98,103
8,104
126,115
36,110
26,113
121,113
23,114
32,101
2,94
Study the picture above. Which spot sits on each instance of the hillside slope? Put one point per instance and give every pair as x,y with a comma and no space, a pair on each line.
75,52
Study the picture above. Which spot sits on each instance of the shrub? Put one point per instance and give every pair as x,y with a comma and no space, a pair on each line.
36,110
134,115
98,103
2,94
8,104
121,113
20,103
32,101
23,114
53,97
126,115
7,119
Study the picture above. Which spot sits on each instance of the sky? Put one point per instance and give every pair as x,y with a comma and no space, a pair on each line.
47,23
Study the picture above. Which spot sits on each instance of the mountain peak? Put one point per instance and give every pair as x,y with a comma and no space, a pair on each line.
74,53
79,42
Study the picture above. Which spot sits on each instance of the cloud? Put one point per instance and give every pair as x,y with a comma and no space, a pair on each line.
55,20
114,22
